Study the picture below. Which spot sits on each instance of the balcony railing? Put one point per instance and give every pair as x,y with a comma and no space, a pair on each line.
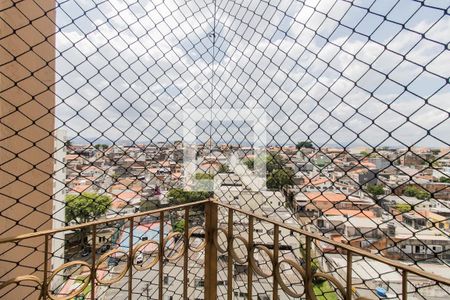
289,274
345,103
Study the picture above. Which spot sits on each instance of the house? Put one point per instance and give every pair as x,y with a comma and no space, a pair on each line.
321,201
425,218
405,242
357,227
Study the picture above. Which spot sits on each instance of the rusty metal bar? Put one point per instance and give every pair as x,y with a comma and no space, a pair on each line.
404,285
98,222
94,246
308,258
161,255
211,251
130,259
349,275
354,250
186,253
229,256
46,262
249,266
276,248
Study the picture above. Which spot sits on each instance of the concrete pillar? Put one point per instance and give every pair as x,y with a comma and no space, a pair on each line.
27,100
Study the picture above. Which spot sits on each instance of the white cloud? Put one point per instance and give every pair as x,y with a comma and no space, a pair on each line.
267,55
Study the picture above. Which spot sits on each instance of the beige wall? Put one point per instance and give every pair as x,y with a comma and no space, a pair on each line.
26,101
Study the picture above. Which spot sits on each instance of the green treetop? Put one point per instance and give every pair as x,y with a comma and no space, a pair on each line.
224,168
304,144
279,178
84,208
375,190
180,196
419,193
444,179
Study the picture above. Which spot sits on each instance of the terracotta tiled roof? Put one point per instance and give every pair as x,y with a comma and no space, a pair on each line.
327,196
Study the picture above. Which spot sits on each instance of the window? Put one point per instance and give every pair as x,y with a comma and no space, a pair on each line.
320,223
240,269
240,295
168,280
436,248
199,282
223,257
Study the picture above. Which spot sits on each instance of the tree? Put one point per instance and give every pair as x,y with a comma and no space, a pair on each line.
274,162
444,179
436,152
180,196
224,168
179,226
250,163
149,205
279,178
204,176
102,146
204,181
271,162
305,144
419,193
84,208
403,207
364,153
375,190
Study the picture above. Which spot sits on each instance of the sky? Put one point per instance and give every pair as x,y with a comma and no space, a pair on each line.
334,72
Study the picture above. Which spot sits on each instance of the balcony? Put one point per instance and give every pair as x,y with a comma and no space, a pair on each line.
225,257
236,149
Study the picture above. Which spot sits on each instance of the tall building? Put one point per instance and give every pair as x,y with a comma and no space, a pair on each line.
59,197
